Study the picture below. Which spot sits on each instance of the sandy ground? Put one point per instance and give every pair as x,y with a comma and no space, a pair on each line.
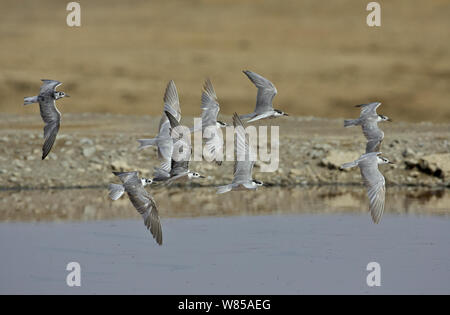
90,146
322,57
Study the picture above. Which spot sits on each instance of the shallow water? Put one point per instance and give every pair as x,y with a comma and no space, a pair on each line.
302,241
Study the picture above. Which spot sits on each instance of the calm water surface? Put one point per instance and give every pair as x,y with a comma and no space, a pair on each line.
276,241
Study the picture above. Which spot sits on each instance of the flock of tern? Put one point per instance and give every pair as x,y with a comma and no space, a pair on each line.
175,168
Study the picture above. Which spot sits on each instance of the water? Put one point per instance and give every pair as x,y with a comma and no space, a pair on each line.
277,241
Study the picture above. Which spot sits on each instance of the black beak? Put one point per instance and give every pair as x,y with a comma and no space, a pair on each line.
391,162
66,95
202,176
390,120
285,114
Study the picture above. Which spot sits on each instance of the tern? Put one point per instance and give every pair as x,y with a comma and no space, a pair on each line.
266,93
368,120
49,113
163,141
210,125
373,180
242,167
140,198
179,170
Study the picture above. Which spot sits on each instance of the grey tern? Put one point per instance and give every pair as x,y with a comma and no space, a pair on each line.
373,180
140,198
368,120
49,113
266,93
243,167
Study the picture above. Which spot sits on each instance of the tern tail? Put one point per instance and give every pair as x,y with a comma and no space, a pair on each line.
30,100
351,122
224,189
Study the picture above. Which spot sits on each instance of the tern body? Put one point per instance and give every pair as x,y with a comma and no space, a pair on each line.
49,113
163,141
266,92
179,170
210,125
243,166
140,198
373,180
368,120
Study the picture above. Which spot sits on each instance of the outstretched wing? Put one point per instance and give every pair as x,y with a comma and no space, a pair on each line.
375,184
266,92
52,118
146,206
373,145
180,160
242,166
48,87
371,130
130,178
210,106
171,101
369,109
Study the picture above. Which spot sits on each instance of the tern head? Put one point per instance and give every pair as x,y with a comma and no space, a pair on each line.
195,175
279,113
59,95
221,124
383,118
383,160
257,182
146,181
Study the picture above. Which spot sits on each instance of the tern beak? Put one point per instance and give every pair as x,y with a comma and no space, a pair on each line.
286,114
389,119
67,95
202,176
391,162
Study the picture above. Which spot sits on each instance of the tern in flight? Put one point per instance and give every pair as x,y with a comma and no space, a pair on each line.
368,120
140,198
49,113
163,141
373,180
266,93
243,166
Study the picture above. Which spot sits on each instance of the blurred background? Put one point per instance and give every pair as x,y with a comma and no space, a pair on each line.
322,56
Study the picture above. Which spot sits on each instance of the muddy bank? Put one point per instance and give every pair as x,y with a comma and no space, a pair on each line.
94,204
90,146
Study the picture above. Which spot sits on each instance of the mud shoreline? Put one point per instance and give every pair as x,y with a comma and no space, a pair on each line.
90,146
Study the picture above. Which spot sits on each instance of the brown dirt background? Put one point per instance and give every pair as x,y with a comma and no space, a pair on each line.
322,56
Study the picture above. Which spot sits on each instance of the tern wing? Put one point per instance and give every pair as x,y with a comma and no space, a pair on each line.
180,162
242,166
371,130
146,206
128,177
52,118
165,145
48,87
210,106
375,184
266,92
171,101
369,109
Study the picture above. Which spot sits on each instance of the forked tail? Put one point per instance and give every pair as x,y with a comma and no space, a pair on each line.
144,143
351,122
30,100
349,165
224,189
